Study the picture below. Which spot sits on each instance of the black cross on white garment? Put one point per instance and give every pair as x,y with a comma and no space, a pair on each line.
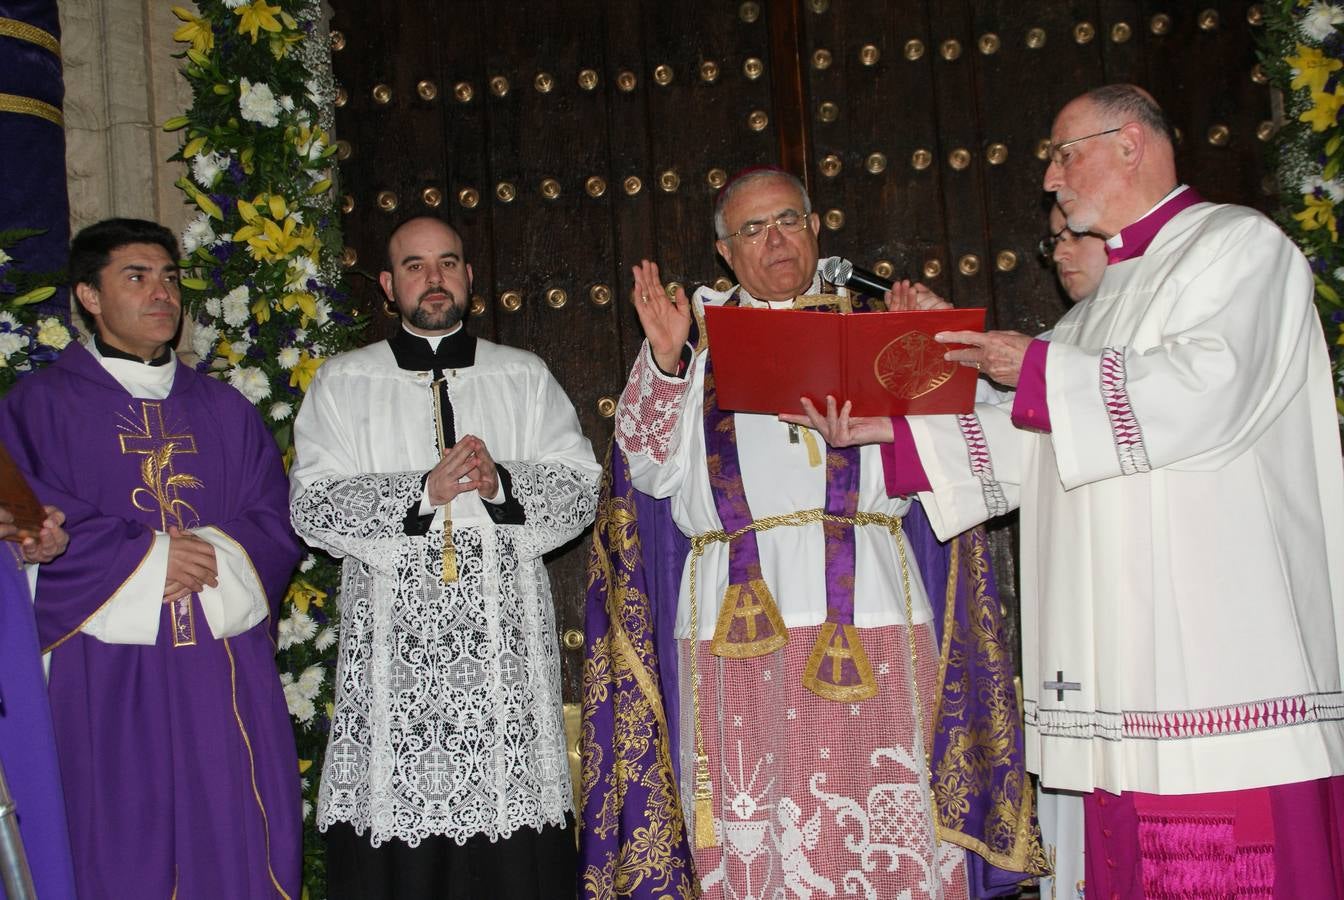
1059,685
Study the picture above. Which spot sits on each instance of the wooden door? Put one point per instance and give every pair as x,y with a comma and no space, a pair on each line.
567,140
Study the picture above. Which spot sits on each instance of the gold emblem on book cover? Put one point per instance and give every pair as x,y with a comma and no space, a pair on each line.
912,365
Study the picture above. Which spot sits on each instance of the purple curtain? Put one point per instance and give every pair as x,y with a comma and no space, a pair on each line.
32,137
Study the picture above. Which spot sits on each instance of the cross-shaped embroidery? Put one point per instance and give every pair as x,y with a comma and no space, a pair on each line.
161,486
1059,685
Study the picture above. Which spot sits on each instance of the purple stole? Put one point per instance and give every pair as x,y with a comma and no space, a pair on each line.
749,622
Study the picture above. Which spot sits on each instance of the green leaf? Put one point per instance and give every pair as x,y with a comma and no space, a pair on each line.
1326,291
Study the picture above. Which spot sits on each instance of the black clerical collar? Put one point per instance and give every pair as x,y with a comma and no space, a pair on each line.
412,351
107,351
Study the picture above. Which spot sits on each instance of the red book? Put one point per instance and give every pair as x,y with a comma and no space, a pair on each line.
886,363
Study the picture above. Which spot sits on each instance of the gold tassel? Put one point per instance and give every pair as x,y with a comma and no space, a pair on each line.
813,450
449,552
704,805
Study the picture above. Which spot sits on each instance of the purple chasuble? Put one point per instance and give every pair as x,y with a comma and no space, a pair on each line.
633,841
178,763
27,747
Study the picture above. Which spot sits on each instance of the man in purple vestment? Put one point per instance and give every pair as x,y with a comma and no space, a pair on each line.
175,747
27,749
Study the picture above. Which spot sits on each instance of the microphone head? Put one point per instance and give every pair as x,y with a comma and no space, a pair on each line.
837,270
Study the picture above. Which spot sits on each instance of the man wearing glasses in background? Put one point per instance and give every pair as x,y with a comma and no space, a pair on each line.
1175,449
791,782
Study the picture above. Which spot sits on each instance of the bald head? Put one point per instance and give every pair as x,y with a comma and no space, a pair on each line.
1112,158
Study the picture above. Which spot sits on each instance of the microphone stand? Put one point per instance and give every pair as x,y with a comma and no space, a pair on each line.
14,872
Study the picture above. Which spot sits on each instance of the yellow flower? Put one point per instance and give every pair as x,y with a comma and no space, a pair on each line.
274,238
196,30
301,593
1311,68
280,43
261,310
305,765
302,374
1324,109
1319,213
257,16
225,350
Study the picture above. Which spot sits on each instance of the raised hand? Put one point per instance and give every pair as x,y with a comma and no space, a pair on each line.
666,320
905,297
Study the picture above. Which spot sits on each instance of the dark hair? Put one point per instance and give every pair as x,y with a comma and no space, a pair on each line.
91,247
1132,103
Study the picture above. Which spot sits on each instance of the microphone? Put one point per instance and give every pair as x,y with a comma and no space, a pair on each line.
843,273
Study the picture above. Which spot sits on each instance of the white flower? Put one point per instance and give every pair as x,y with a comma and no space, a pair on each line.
300,707
1320,21
6,318
325,638
300,335
281,411
234,306
323,311
307,810
252,384
286,103
4,257
214,307
10,343
234,4
301,268
241,346
205,168
294,628
310,682
198,233
287,358
257,103
203,340
308,562
1334,189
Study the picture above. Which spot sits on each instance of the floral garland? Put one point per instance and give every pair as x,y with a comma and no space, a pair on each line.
28,339
264,282
1304,57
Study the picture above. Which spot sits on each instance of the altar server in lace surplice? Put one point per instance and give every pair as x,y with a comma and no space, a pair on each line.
441,467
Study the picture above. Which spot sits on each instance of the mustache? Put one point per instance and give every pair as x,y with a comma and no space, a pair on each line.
443,291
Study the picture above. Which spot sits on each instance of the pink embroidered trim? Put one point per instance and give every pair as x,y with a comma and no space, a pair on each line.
646,417
1124,427
982,466
1280,712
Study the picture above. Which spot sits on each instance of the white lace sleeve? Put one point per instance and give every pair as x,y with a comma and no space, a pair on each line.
360,516
558,502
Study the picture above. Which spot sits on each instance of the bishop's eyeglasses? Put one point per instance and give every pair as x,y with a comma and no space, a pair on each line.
1060,158
754,232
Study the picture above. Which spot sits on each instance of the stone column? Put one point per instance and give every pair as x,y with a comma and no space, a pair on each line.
121,85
